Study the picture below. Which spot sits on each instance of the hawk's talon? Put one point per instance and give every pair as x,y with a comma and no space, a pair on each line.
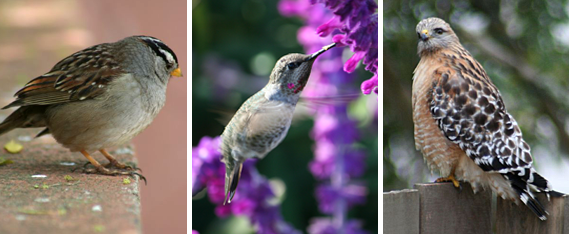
452,179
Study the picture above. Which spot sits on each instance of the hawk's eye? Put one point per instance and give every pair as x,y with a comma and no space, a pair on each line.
439,31
293,65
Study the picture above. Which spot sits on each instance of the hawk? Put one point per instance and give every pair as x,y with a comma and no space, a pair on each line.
462,127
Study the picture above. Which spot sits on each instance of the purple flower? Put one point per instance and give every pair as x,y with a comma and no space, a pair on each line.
328,196
348,23
195,232
253,193
328,226
370,85
204,167
327,28
354,24
351,64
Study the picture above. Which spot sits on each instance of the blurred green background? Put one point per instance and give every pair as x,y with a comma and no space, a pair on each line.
524,47
235,46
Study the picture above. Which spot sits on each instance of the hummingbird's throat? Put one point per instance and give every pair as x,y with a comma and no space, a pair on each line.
297,88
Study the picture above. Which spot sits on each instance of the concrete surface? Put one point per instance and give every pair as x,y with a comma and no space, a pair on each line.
39,192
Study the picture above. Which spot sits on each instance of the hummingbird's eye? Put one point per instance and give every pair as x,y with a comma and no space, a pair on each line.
293,65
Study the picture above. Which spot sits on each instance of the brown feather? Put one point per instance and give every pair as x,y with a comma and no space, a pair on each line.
70,80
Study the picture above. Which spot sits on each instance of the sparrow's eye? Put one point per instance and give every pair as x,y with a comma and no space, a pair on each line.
439,31
294,65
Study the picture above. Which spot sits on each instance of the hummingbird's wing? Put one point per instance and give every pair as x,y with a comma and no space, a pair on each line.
266,126
253,132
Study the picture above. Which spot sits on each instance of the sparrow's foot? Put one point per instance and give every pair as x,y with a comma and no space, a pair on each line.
113,163
116,165
104,171
100,169
452,179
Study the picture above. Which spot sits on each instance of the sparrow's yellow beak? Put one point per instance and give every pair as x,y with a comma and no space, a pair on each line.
177,72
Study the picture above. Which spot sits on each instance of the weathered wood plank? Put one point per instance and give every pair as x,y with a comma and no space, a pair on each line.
566,215
445,209
401,212
512,218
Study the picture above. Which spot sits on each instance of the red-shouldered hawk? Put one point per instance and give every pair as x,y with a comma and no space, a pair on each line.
461,124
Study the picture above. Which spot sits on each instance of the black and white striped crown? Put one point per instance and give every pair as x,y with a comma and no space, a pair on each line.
161,50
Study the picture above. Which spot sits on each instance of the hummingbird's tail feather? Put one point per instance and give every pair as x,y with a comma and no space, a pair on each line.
231,180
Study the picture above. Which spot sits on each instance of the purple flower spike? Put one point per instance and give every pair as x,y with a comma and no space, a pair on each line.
328,226
327,28
339,39
353,194
351,64
253,193
370,85
353,24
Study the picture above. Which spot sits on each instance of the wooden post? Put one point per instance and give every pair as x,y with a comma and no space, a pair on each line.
401,211
445,209
512,218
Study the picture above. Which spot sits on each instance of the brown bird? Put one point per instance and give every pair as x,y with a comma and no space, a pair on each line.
462,126
98,98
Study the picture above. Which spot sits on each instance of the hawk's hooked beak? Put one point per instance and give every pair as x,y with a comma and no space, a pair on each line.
177,72
424,35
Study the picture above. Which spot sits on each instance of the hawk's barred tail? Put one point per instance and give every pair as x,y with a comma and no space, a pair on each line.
543,185
533,204
520,185
522,188
554,193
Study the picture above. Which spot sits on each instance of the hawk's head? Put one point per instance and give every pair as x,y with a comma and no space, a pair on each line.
434,34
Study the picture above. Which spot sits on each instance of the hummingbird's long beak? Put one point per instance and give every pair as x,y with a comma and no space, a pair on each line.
315,54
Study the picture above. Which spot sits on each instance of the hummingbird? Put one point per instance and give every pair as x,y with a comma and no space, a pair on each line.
262,122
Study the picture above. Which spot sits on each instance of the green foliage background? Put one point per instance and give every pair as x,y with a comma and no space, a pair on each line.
227,35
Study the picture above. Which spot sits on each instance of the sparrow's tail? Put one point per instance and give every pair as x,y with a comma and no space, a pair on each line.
232,175
11,122
24,117
5,127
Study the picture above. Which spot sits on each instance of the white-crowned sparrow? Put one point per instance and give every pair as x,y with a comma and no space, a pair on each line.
98,97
